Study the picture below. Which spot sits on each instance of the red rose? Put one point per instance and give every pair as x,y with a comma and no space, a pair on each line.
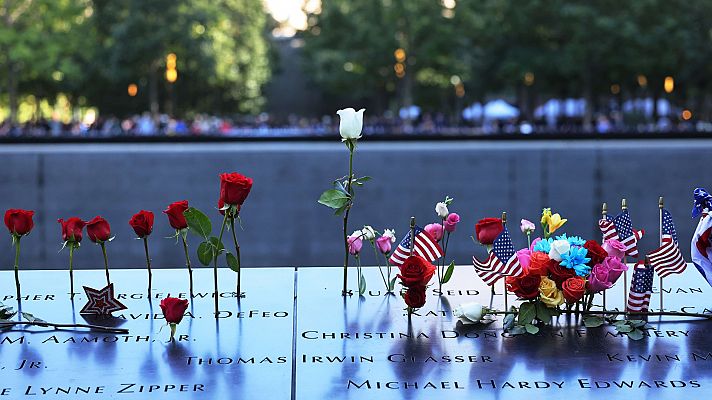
175,214
98,230
559,274
595,252
234,188
142,223
416,271
488,229
18,221
574,288
415,296
526,287
539,263
173,309
72,229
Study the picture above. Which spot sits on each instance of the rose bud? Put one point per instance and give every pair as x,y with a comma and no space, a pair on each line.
19,222
350,123
488,229
384,244
142,223
435,231
72,229
355,242
234,188
451,221
98,230
175,214
173,310
416,271
415,296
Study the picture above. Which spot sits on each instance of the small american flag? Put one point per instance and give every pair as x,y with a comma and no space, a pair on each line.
502,260
641,288
425,246
667,259
668,225
626,234
608,228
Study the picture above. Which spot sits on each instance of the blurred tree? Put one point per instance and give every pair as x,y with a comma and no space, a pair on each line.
43,44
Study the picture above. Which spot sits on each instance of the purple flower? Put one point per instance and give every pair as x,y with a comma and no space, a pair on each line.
435,230
615,268
598,279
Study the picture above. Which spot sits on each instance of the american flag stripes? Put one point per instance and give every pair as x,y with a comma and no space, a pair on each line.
621,228
502,260
641,288
425,246
668,225
667,259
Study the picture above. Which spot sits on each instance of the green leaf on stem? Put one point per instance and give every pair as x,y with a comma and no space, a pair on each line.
392,283
624,328
205,253
198,222
232,261
543,312
362,285
531,329
216,245
360,181
637,323
448,272
527,312
636,334
517,330
592,322
335,199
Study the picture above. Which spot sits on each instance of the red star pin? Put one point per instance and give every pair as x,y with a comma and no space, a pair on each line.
101,302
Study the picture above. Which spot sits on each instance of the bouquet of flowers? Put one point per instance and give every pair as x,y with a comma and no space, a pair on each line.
561,270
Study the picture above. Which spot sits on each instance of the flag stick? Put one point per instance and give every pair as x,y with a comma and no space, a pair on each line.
624,206
504,281
660,237
604,211
412,234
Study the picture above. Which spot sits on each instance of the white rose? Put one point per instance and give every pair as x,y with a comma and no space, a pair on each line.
391,233
441,210
350,123
559,247
469,313
368,232
358,233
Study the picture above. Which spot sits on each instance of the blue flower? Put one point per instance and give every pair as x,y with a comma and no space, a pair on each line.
544,245
573,240
576,259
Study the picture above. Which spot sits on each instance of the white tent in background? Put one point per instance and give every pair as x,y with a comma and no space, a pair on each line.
473,112
500,109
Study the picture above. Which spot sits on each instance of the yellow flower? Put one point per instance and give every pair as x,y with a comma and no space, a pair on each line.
556,222
545,215
549,294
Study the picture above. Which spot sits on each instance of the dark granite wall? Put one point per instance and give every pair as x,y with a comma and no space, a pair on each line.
284,225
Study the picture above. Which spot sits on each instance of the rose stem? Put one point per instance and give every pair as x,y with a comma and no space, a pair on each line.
17,268
148,264
60,326
346,214
187,262
379,265
237,254
215,263
71,271
106,263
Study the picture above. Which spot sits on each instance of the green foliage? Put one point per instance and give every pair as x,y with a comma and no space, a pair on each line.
448,272
198,222
361,285
232,262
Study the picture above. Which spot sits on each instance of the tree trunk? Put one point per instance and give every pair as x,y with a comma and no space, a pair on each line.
12,90
153,92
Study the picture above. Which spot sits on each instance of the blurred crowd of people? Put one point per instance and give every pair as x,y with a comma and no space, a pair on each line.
264,125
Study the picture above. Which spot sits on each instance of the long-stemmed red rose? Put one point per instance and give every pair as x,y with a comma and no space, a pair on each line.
142,224
415,273
19,223
99,232
72,236
178,222
234,189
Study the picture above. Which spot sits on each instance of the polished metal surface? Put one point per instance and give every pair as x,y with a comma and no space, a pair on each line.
355,347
